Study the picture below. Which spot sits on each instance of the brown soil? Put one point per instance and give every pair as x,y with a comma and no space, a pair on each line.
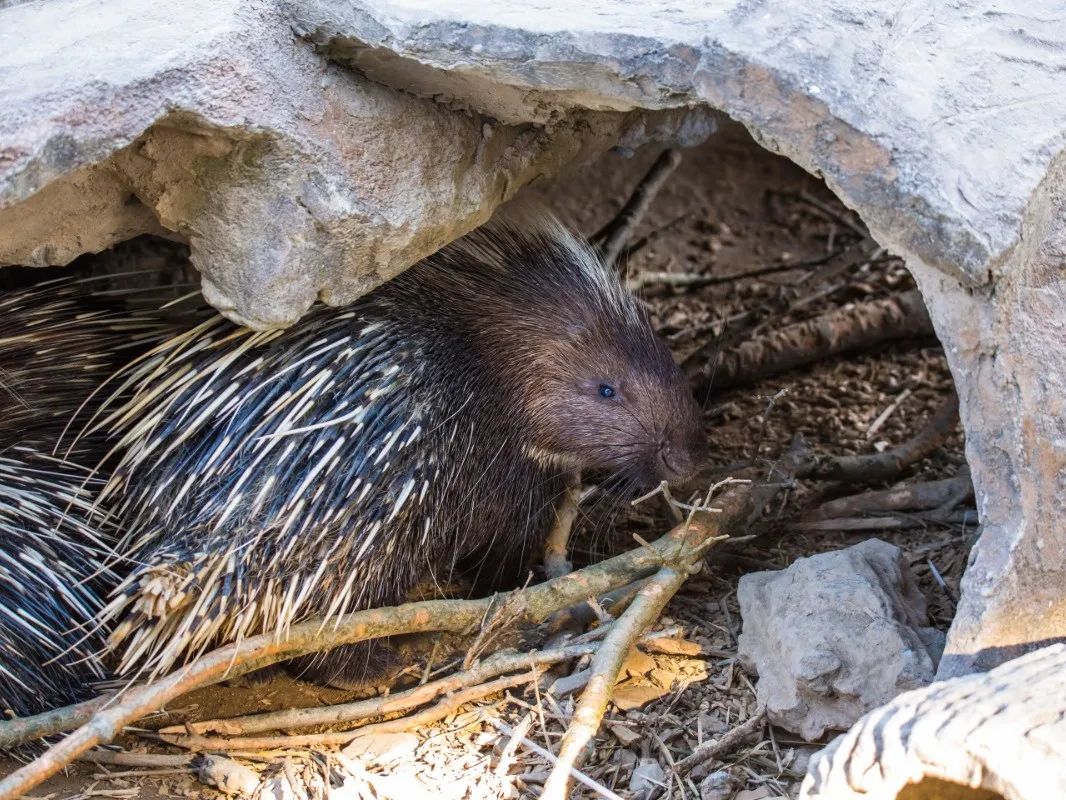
740,209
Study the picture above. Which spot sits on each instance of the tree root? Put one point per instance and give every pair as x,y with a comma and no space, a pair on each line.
859,327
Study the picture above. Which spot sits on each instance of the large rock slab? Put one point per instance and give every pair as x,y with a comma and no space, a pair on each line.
266,135
997,735
835,635
293,179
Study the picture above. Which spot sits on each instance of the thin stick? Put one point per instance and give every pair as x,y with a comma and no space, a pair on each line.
688,280
498,664
260,651
425,717
834,215
606,664
580,777
121,758
723,745
613,237
875,426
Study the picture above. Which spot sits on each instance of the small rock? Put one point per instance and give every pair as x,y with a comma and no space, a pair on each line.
647,777
834,636
718,785
803,759
761,793
711,725
228,776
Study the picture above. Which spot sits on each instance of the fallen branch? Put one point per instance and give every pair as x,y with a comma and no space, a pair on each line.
733,510
580,777
334,738
121,758
498,664
685,542
652,236
859,327
612,238
960,517
891,463
26,729
716,748
911,497
606,664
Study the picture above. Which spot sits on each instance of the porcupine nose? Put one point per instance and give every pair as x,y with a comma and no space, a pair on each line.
680,461
676,466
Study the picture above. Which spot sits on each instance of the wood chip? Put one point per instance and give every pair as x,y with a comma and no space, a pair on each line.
637,664
628,696
624,734
672,646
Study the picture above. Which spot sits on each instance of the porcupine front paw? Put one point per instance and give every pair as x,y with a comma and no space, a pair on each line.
362,665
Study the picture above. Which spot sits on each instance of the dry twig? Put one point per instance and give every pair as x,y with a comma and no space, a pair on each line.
606,664
580,777
425,717
717,748
613,237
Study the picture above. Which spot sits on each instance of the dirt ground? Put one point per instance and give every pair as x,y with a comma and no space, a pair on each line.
731,208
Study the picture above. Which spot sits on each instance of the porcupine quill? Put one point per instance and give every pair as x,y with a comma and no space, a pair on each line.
267,477
59,340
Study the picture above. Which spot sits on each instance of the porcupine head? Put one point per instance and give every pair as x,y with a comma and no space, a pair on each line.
433,423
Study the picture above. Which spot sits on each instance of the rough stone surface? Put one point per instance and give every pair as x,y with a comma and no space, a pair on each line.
834,636
263,133
1001,735
291,178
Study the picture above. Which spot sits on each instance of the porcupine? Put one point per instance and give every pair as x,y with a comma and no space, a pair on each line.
58,341
268,477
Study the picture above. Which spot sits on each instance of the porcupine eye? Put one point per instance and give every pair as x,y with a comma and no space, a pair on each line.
607,391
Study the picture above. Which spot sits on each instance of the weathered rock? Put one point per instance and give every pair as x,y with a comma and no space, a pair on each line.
835,635
291,178
1000,734
294,173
